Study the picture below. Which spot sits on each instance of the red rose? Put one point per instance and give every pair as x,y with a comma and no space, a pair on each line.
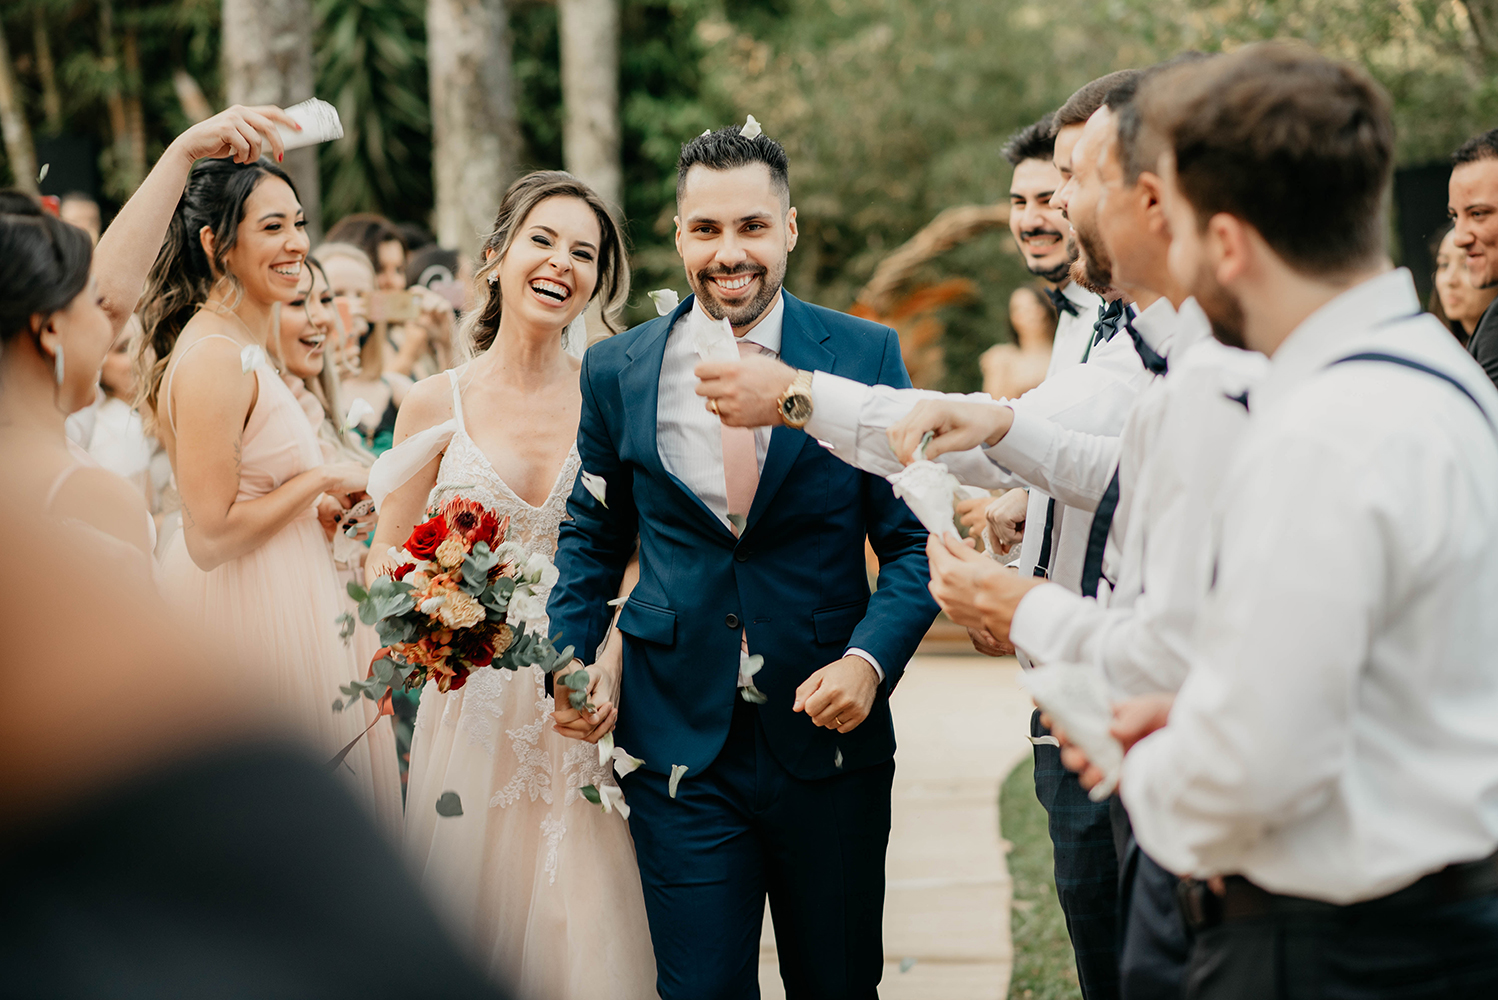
488,530
481,653
425,538
401,571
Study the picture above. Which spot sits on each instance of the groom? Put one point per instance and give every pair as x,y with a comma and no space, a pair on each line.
749,540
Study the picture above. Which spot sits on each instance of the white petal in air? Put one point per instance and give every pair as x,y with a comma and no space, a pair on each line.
597,486
677,770
357,411
625,764
613,798
748,667
252,357
751,129
605,749
666,300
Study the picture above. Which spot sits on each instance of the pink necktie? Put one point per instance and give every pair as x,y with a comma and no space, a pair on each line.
740,461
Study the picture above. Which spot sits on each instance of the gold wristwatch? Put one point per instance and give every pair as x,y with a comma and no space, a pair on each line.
795,402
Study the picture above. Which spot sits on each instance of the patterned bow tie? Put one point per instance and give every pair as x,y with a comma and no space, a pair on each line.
1061,302
1156,364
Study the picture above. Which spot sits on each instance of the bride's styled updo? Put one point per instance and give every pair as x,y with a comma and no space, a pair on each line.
481,324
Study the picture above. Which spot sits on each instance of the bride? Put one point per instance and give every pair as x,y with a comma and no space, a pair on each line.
543,882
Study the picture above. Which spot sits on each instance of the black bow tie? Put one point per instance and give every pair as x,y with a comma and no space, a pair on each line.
1108,318
1152,361
1061,302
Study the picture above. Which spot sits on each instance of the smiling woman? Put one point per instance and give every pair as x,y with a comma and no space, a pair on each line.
259,501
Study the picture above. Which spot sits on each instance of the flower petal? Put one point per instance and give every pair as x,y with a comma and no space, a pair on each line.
357,411
677,770
625,764
605,748
666,300
751,129
613,798
597,486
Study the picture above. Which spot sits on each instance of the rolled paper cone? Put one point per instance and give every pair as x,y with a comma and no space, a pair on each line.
319,122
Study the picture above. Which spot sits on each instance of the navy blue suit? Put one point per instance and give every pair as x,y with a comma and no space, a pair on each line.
770,803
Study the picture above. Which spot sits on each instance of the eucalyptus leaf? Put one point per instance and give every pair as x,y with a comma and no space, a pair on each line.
448,804
591,794
345,626
907,963
337,704
358,593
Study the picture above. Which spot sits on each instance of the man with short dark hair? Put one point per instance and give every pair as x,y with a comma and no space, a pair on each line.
751,544
1329,768
1474,213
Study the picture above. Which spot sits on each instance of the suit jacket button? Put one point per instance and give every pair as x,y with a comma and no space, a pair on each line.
742,555
732,621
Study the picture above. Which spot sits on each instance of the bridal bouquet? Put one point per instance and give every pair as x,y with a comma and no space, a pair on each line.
459,598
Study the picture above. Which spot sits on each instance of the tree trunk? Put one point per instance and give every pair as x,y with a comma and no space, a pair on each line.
475,135
267,46
135,119
18,148
1483,16
590,94
46,71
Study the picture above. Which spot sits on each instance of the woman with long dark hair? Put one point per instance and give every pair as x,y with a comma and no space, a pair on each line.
64,302
541,881
259,501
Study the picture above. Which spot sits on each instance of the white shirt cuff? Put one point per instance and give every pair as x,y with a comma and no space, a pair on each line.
863,655
1040,620
836,405
1027,443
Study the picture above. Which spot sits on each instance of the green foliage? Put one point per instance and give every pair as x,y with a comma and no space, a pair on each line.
371,64
1044,967
449,804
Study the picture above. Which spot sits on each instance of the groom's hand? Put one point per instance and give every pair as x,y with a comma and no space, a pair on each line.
958,424
839,695
745,393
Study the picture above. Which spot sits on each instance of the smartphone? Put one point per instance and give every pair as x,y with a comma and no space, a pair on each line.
394,307
452,291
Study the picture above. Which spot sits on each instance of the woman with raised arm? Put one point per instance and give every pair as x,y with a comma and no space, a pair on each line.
258,501
542,882
63,303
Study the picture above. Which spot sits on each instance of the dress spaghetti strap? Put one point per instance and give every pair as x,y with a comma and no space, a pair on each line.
170,419
59,482
452,376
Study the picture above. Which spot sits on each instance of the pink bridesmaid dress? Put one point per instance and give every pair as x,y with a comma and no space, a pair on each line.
278,605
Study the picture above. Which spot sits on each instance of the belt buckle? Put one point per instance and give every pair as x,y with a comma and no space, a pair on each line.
1201,907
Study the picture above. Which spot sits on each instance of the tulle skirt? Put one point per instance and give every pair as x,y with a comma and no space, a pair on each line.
277,609
542,883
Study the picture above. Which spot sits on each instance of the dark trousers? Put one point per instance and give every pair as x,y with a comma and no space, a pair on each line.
746,828
1410,953
1154,941
1086,867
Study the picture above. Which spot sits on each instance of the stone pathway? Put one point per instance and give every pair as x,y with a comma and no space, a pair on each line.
961,723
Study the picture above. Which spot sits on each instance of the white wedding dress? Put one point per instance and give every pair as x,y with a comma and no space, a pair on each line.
542,882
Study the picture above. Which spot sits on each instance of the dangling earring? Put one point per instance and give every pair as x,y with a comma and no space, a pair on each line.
57,368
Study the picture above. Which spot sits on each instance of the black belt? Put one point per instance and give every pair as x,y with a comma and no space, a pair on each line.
1203,908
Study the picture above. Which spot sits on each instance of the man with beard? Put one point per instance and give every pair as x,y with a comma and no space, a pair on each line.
1474,212
852,420
770,783
1327,775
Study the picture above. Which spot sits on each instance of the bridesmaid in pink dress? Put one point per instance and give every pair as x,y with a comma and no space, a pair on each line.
259,502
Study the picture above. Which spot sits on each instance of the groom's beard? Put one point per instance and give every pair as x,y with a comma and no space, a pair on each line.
739,314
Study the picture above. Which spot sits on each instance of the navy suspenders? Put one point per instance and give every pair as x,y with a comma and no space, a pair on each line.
1395,359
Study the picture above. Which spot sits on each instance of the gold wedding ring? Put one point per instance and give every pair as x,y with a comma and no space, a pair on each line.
838,720
713,404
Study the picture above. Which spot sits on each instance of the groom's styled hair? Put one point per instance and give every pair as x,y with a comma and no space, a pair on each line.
727,149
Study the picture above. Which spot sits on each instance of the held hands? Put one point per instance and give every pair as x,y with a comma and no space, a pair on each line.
239,133
958,425
603,687
1006,520
1133,720
986,644
839,696
745,393
975,592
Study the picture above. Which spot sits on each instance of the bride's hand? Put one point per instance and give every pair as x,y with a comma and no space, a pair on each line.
603,683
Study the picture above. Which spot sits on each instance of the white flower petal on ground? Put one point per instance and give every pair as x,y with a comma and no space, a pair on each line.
625,764
357,411
677,770
597,486
666,300
605,748
751,129
613,798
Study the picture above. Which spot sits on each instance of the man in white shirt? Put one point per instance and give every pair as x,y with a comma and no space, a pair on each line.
1329,768
851,420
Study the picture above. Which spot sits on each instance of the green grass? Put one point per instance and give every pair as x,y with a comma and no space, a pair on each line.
1043,965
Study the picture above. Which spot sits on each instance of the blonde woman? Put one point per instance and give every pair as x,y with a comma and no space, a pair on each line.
541,881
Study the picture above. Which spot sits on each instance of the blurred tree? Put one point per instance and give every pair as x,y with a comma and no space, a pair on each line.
588,32
267,51
371,64
475,136
18,148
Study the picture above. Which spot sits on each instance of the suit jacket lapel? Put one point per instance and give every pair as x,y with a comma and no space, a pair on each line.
640,384
801,347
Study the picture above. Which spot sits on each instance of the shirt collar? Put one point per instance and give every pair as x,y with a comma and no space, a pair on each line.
767,332
1157,326
1085,301
1336,328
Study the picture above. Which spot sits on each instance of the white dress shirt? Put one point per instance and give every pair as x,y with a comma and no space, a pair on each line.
851,419
1335,737
689,436
1172,455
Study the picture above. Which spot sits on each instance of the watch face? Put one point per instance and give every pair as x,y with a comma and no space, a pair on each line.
797,409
